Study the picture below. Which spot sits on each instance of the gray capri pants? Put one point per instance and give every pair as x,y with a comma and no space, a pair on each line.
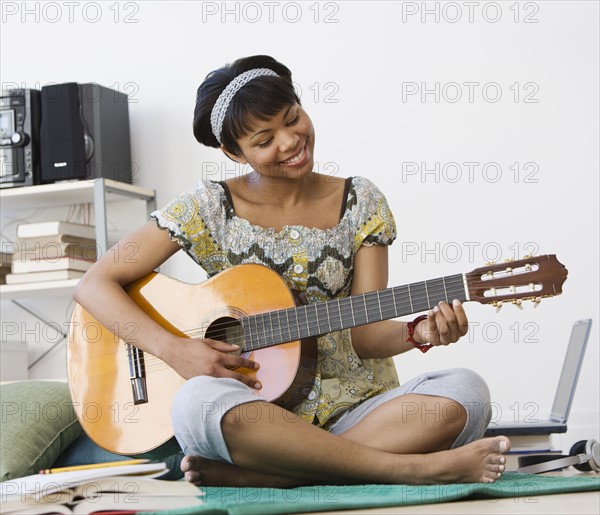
201,403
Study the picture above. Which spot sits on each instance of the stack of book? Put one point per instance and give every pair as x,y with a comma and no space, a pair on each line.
5,261
528,445
52,251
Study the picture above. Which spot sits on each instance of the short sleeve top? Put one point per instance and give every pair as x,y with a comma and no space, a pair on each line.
316,262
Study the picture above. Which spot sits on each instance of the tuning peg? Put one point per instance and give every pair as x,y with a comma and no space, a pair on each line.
497,304
490,263
528,256
536,302
509,260
518,303
509,270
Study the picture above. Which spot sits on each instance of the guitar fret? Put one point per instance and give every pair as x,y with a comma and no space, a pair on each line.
340,314
262,328
297,326
271,324
366,309
389,308
445,290
277,336
323,317
328,317
307,321
247,334
375,310
287,317
256,333
352,312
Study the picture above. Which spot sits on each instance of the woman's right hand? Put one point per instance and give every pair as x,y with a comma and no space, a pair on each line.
191,357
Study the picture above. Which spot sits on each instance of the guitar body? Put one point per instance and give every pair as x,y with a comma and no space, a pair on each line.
99,366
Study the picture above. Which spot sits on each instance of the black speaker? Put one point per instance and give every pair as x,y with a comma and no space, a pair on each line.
584,455
84,133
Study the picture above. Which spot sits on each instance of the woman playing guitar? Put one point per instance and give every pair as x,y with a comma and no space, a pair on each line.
327,237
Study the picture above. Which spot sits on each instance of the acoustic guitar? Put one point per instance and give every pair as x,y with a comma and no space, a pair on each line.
123,396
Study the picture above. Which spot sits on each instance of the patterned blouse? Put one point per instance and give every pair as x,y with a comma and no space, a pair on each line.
315,262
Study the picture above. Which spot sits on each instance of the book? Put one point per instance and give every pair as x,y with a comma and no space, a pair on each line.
55,228
45,265
35,277
530,443
123,493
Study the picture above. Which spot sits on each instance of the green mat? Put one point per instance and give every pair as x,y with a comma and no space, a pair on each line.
268,501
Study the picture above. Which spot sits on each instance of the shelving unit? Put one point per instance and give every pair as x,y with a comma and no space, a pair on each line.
99,192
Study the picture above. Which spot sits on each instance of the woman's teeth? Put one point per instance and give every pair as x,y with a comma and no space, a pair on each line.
296,158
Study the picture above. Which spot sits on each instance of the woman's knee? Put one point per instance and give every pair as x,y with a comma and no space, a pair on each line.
475,398
198,409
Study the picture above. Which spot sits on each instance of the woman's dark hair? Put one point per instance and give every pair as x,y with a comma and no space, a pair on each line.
262,98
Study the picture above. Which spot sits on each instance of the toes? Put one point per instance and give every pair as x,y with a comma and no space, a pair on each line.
193,477
185,464
503,444
495,459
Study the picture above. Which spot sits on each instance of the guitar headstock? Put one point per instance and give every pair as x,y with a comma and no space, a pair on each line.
530,278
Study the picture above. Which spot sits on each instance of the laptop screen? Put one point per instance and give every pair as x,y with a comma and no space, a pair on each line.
570,371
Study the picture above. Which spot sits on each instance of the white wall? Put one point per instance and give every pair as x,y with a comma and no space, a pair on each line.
534,187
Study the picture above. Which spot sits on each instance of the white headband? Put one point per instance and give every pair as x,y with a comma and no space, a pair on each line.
220,108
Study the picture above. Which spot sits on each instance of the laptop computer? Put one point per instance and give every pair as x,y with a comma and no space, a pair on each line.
557,422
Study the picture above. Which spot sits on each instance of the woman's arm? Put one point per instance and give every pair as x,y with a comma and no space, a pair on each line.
100,291
445,323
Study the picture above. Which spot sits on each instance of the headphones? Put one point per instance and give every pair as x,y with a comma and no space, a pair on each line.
584,456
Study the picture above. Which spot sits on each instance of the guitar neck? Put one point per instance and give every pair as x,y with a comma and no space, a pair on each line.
285,325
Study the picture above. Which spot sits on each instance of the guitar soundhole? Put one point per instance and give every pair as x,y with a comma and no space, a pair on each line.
226,329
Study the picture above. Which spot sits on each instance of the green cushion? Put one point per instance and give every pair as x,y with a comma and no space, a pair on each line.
38,424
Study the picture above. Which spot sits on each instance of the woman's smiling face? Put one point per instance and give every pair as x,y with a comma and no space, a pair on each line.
281,147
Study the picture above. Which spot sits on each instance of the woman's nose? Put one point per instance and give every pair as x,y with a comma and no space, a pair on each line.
289,141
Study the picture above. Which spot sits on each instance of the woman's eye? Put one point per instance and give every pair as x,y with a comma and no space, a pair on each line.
265,144
292,122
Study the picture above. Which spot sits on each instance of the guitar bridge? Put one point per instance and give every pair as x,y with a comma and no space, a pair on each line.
137,374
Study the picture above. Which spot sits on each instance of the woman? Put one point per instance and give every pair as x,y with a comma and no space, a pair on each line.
327,237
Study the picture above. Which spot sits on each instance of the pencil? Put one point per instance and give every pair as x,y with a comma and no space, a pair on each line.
93,466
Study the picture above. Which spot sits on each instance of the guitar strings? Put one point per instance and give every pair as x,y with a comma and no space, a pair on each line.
345,308
386,298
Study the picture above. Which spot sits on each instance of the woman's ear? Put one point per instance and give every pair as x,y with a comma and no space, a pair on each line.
238,159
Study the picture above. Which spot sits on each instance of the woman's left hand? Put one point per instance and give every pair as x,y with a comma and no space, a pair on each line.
445,324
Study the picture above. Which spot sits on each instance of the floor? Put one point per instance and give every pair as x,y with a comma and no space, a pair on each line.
584,503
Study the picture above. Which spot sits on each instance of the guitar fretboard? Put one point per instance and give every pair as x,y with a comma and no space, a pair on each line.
286,325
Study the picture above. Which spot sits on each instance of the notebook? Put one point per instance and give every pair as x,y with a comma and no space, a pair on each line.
557,422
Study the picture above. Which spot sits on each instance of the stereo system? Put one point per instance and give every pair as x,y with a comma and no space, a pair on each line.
64,132
19,138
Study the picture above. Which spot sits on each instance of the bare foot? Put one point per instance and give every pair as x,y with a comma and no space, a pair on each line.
201,471
478,462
